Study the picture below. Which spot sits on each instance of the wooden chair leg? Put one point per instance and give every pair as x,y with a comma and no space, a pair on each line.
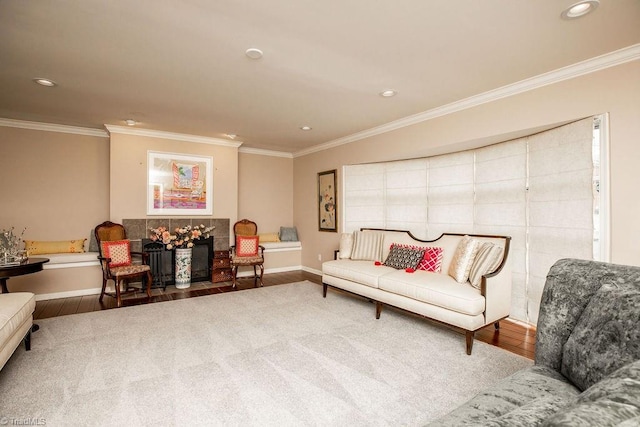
261,274
118,298
255,277
149,282
234,273
104,288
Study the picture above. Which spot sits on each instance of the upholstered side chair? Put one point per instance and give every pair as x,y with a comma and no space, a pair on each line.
247,251
117,263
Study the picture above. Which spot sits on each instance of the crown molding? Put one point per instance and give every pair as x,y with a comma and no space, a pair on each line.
598,63
261,152
171,135
50,127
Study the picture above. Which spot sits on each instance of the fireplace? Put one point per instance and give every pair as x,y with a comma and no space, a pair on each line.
162,261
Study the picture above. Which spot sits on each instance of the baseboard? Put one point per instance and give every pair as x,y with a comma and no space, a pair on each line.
71,265
249,273
68,294
311,270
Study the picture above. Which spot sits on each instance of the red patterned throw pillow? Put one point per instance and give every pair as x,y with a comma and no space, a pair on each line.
432,260
118,250
247,245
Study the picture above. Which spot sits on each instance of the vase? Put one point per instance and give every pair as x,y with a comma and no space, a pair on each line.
183,268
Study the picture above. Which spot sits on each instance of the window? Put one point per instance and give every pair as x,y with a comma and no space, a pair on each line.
547,191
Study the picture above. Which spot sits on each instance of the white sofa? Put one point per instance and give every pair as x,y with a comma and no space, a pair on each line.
16,320
437,296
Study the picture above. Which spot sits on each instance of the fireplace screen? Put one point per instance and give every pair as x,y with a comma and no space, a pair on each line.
162,261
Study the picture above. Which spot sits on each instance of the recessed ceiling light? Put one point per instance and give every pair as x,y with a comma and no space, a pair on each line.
253,53
388,93
305,128
579,9
130,122
45,82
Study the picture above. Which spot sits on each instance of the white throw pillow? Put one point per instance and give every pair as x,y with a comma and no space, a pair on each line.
463,259
487,259
346,246
367,245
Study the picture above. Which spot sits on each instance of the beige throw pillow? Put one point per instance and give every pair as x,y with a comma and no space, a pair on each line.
487,259
463,259
346,246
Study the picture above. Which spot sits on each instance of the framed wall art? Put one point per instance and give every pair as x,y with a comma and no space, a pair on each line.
179,184
327,201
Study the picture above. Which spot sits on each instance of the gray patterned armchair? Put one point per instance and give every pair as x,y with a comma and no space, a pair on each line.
587,362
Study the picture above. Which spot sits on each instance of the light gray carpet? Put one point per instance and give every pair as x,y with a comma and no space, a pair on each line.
279,355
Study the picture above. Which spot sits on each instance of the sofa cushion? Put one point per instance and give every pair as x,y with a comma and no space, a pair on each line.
363,272
434,288
15,308
403,256
606,336
463,259
367,246
615,400
525,398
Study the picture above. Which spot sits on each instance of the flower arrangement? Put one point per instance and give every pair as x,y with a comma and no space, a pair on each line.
182,237
10,246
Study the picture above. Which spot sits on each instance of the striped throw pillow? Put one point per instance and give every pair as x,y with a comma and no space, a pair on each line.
367,245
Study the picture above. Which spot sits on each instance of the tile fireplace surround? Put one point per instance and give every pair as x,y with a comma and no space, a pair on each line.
138,229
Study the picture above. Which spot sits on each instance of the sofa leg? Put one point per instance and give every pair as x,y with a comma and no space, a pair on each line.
497,325
27,341
469,339
324,290
378,309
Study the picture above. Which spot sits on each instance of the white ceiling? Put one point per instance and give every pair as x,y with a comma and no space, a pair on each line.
180,66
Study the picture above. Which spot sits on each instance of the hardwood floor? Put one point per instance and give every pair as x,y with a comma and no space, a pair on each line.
512,337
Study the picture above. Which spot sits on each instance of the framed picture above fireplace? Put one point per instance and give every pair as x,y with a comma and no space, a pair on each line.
179,184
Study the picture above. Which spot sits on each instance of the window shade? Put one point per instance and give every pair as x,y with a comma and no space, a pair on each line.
364,204
537,189
450,194
500,207
560,201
